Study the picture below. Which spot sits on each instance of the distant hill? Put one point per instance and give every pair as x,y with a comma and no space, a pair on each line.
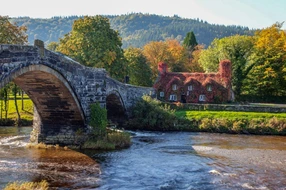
136,29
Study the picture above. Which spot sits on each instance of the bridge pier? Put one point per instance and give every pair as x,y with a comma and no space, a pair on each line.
57,134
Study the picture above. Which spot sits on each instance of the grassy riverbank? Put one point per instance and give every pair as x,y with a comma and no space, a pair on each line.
26,111
231,115
151,114
233,122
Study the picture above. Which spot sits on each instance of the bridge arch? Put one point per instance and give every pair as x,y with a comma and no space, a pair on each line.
116,109
57,106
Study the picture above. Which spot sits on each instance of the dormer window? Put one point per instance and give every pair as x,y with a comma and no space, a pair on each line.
190,88
209,88
162,94
174,87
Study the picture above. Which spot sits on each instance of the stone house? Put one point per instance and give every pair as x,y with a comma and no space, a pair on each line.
194,87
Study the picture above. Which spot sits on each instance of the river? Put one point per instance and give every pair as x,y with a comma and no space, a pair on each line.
155,160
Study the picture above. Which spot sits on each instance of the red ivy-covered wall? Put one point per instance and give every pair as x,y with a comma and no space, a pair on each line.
195,87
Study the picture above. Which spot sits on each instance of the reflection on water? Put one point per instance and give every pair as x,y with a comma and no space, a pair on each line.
177,160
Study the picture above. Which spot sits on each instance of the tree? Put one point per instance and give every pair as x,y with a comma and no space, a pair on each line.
93,43
178,60
170,52
15,89
98,120
11,33
138,69
268,77
52,46
194,57
236,48
190,41
155,52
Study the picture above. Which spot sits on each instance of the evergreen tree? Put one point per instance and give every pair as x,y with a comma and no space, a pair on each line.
190,41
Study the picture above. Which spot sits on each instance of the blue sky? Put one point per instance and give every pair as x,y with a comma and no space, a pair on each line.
250,13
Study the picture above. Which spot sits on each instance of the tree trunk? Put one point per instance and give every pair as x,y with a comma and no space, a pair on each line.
22,100
1,107
6,102
18,123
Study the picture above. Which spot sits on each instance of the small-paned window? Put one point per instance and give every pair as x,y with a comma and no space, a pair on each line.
209,88
162,94
174,87
190,88
202,98
173,97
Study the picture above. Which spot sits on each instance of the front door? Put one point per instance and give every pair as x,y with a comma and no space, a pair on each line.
183,98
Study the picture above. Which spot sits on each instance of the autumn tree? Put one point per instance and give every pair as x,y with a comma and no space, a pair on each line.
236,48
268,77
10,33
93,43
194,65
139,71
52,46
170,51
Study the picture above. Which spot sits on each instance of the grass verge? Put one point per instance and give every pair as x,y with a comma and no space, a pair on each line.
26,112
231,115
43,185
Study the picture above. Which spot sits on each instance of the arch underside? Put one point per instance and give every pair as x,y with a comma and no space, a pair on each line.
115,109
55,104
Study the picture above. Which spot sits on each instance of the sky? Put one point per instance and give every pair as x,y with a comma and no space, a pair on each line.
250,13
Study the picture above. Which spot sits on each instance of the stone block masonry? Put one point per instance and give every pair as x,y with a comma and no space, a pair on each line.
61,90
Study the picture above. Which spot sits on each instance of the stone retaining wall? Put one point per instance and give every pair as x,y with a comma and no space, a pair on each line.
231,107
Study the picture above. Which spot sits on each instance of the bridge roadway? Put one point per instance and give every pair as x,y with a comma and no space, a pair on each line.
62,91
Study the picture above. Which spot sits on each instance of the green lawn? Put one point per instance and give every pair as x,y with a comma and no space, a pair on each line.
26,113
198,115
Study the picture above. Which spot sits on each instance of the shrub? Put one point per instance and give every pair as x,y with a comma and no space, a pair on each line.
151,114
239,126
98,120
119,139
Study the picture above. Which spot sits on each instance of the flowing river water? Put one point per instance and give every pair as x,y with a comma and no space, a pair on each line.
155,160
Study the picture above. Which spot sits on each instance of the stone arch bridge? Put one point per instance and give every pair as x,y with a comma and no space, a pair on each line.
62,90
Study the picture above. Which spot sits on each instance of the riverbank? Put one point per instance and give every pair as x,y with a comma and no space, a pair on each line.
151,114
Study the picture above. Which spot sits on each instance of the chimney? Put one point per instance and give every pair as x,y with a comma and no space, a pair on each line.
162,68
225,68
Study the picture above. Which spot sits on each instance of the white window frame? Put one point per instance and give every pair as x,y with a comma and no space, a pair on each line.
202,98
162,94
190,88
173,97
209,88
174,87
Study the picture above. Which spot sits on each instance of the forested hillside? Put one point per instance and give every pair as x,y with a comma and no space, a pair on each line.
136,29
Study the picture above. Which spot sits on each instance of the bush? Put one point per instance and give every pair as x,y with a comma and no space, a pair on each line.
119,139
98,120
151,114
